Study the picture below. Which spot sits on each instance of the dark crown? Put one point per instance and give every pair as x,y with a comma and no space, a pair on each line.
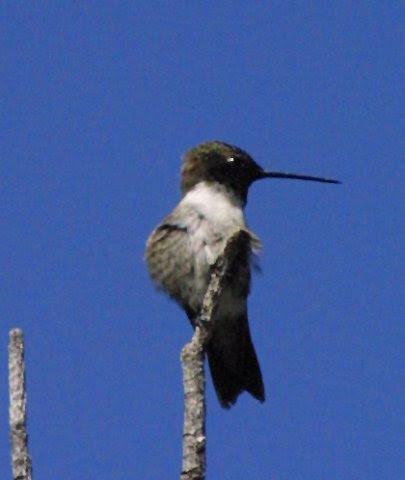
219,162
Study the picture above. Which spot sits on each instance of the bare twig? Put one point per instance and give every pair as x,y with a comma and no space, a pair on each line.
192,357
20,459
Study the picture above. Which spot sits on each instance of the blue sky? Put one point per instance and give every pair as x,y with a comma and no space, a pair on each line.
99,102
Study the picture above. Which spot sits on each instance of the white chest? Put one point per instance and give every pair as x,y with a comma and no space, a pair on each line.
214,215
217,206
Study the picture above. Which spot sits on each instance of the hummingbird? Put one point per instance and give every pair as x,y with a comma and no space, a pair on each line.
183,248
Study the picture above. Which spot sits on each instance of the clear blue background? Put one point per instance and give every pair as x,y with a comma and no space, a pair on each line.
99,102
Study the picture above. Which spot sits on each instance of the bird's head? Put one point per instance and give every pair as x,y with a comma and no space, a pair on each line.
230,166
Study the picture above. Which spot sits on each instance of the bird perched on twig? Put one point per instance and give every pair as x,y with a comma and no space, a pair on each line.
181,251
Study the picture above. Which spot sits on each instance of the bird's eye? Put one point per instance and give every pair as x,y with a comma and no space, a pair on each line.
230,159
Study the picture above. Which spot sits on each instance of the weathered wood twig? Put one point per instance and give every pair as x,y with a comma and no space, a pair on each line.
20,459
192,357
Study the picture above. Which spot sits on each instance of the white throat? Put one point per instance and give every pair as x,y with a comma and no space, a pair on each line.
219,205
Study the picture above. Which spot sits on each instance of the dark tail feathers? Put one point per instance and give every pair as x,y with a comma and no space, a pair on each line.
233,362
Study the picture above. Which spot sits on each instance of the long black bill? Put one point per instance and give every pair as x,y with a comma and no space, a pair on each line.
295,176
